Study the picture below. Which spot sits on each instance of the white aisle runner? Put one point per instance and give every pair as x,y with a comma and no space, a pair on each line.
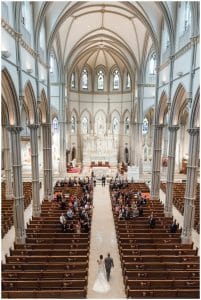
103,240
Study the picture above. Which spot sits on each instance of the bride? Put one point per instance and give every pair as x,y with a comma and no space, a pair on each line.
101,285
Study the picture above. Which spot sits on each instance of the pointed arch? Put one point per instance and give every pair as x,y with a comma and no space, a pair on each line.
178,104
114,113
30,102
195,112
162,109
74,112
87,112
43,106
125,114
9,96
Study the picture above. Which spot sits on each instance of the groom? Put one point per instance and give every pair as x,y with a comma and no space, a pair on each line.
108,265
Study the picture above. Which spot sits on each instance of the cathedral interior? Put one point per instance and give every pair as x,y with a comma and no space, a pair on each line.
100,126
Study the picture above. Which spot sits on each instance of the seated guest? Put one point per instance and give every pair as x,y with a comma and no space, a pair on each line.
135,212
145,200
63,204
62,220
173,227
59,197
140,211
78,227
152,221
69,214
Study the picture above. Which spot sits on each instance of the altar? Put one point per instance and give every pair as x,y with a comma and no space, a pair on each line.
98,148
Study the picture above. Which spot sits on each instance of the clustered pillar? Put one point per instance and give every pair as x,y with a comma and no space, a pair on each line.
156,162
171,167
191,183
17,185
35,170
47,159
7,160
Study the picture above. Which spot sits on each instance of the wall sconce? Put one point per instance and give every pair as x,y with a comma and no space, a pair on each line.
29,70
6,53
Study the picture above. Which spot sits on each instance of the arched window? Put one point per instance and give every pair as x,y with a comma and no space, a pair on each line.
100,80
55,124
85,125
145,126
127,125
115,126
116,80
73,80
128,81
51,62
84,79
187,16
73,124
152,64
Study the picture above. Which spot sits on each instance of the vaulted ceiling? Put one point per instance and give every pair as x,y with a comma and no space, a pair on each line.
103,33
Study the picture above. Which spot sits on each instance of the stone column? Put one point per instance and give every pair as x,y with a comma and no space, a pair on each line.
47,159
191,184
156,162
121,142
7,164
35,170
18,209
79,148
171,169
132,143
165,151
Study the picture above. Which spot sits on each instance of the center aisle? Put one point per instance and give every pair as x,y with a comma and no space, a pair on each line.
103,240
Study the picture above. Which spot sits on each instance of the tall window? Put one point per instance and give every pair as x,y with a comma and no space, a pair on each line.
84,79
85,125
73,124
51,63
152,64
55,124
100,80
127,125
128,81
116,80
25,15
145,126
187,16
115,126
73,80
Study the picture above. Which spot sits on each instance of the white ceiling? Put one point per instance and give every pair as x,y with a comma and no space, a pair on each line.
103,33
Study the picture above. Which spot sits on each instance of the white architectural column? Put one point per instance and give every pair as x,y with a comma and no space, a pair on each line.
121,144
35,170
47,159
171,168
7,164
156,162
79,148
18,208
191,184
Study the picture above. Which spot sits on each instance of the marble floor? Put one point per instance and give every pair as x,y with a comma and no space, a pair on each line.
103,240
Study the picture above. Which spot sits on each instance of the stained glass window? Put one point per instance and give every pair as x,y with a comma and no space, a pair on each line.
84,79
116,80
100,80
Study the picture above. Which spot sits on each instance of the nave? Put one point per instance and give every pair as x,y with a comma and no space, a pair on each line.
145,254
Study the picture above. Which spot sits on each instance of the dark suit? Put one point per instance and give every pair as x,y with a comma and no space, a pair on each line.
108,265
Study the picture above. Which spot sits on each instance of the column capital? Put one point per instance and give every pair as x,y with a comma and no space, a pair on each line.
33,126
159,126
173,128
14,128
193,131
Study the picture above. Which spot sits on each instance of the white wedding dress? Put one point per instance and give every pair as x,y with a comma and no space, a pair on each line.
101,285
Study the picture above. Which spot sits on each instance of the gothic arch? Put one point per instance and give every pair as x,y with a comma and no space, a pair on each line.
10,98
43,106
195,113
115,113
30,103
125,114
178,104
162,109
86,112
74,112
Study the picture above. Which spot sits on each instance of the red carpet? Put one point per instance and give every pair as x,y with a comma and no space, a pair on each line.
73,170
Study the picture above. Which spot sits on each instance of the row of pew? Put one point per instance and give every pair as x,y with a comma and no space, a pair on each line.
7,206
154,262
178,200
52,263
